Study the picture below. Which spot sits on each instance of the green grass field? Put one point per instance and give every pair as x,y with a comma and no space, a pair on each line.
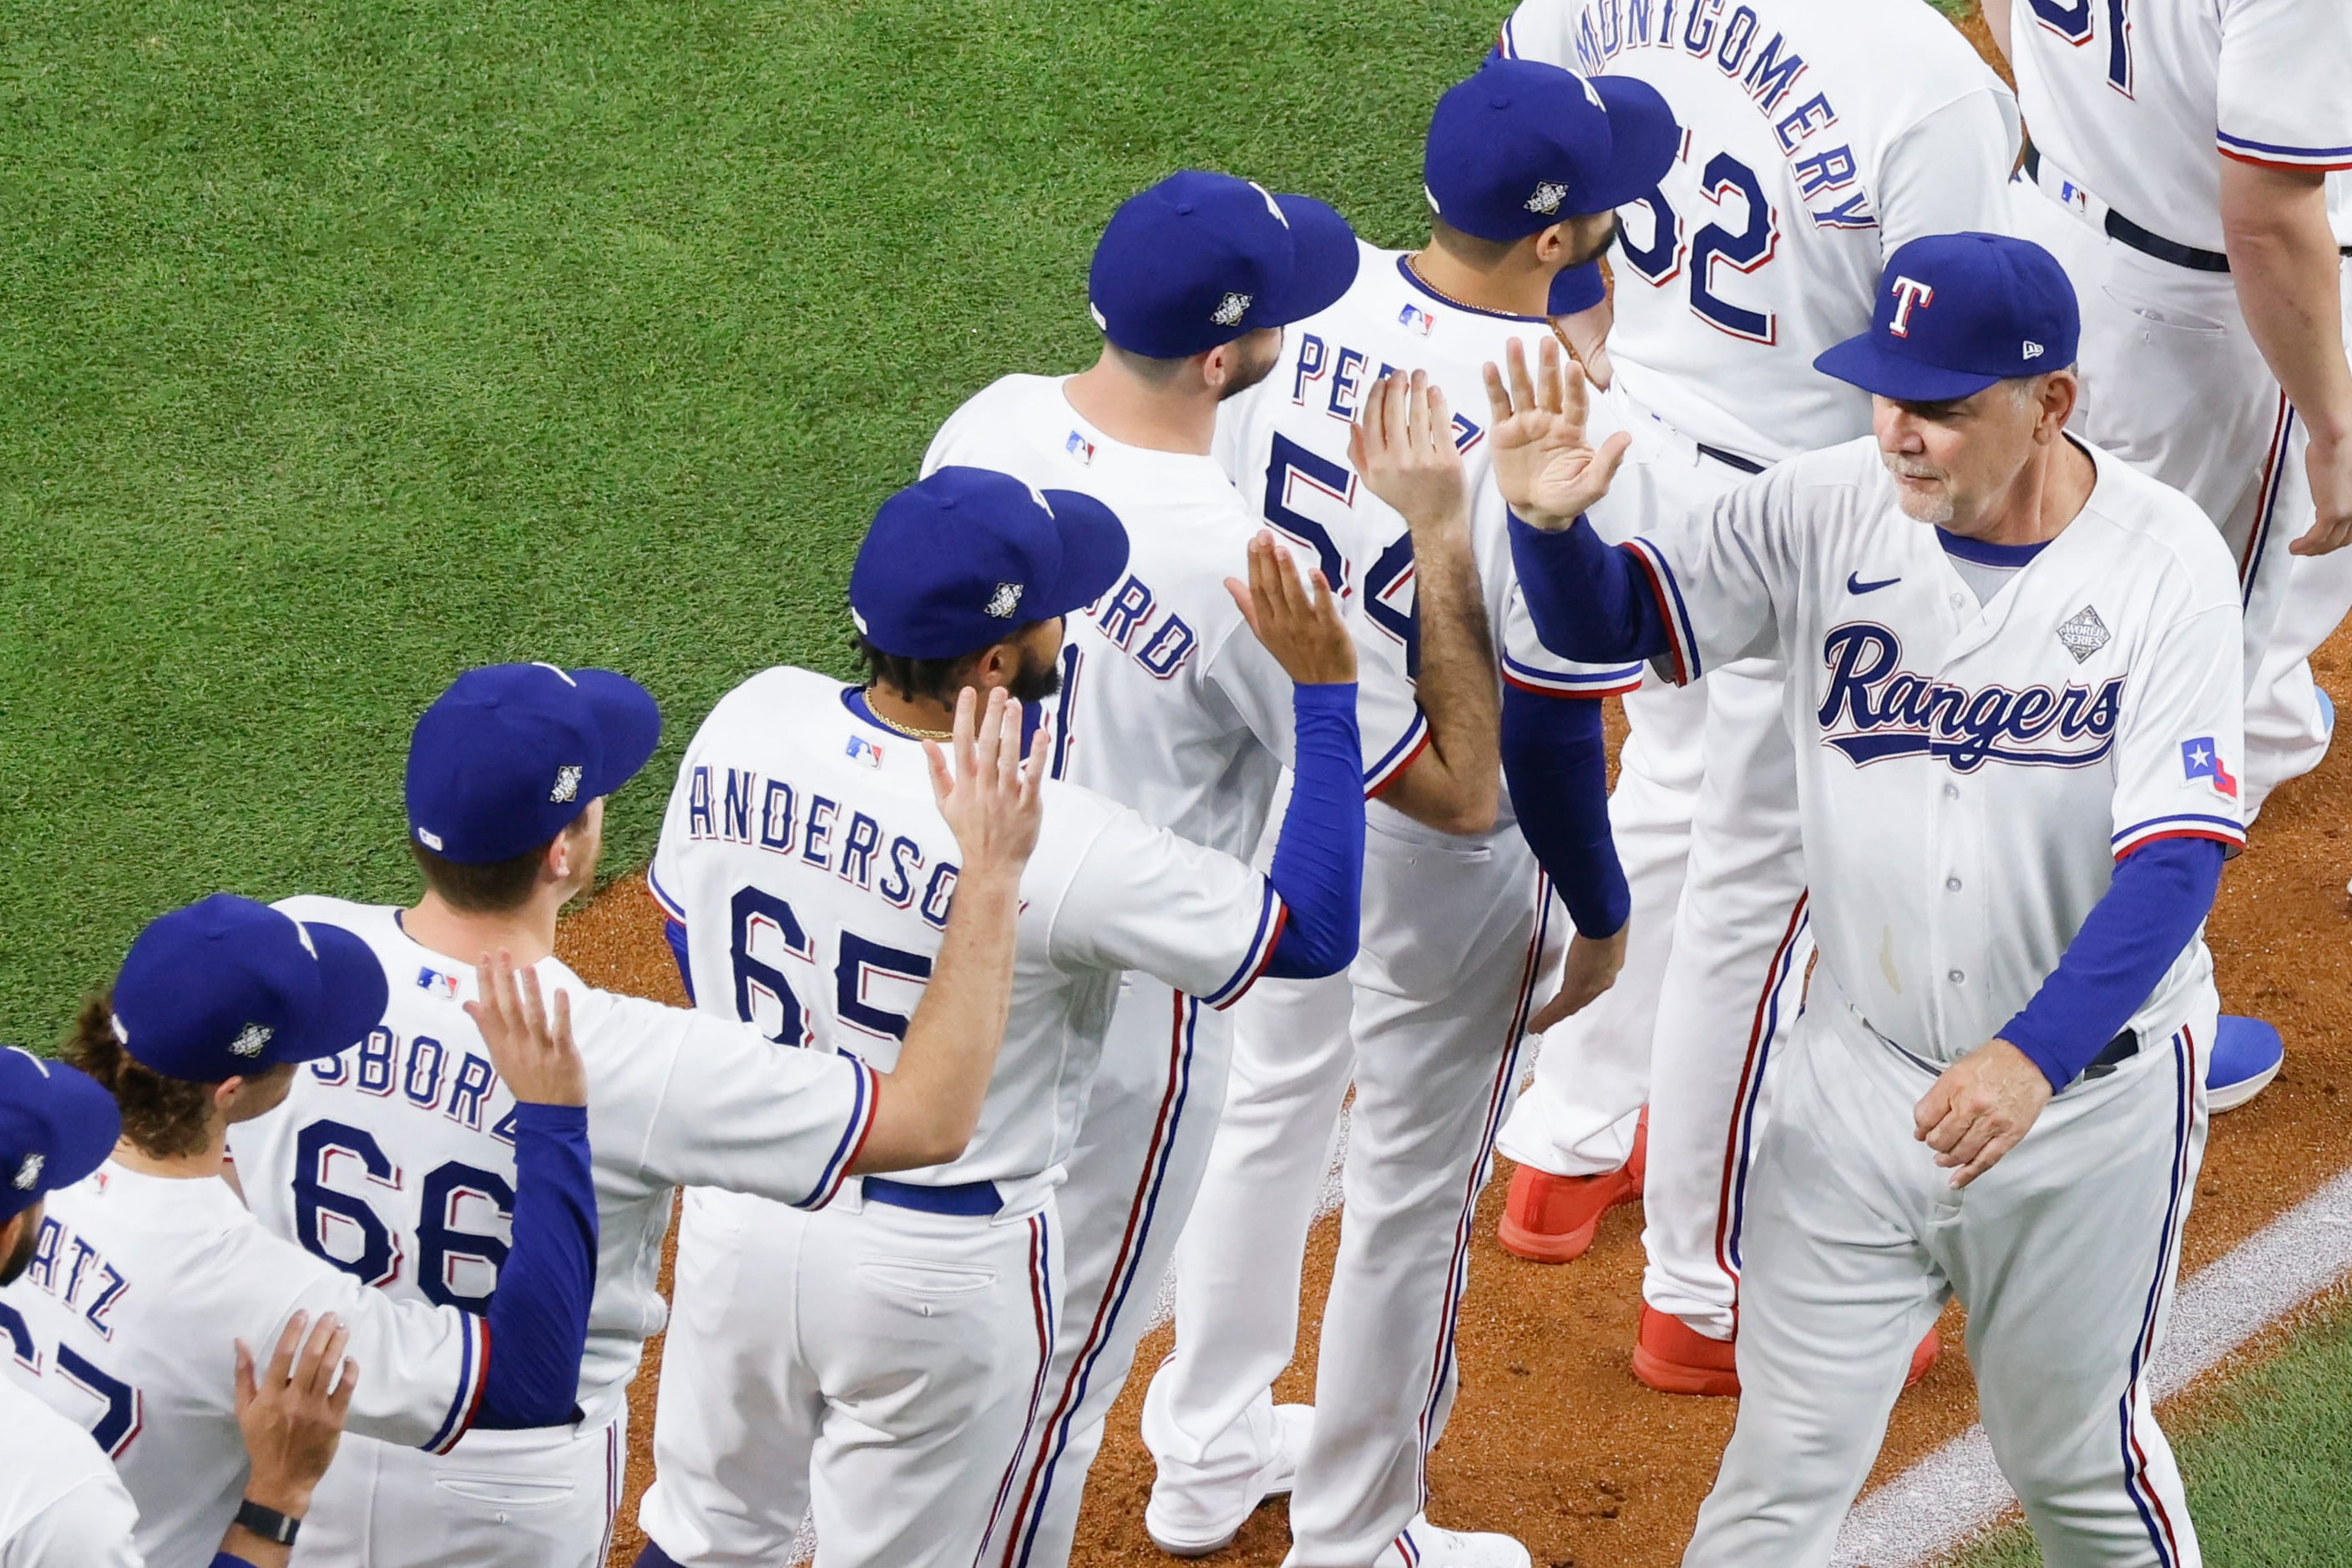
347,346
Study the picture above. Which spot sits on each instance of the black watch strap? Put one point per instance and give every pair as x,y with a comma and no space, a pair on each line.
268,1522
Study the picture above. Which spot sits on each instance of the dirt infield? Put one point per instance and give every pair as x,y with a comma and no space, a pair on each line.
1551,1438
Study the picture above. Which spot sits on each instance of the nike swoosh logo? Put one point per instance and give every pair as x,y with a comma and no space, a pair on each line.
1854,585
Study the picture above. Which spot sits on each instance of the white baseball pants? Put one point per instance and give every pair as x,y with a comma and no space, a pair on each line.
543,1498
878,1364
2286,735
1131,1178
1459,939
2064,1254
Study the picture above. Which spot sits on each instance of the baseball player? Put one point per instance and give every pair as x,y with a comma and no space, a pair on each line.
1168,706
61,1503
2179,165
2017,719
1523,167
147,1274
395,1163
883,1358
1806,161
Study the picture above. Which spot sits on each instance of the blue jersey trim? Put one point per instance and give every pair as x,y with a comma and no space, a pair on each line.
2275,150
1405,271
1261,950
1981,553
852,1138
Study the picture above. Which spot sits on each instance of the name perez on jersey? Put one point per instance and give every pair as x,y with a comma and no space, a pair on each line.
773,814
1890,712
1769,72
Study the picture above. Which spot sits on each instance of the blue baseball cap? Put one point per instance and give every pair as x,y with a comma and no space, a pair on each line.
1200,259
505,758
965,557
58,1124
1958,312
227,987
1522,145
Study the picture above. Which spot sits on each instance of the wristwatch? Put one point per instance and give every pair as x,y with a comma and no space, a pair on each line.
268,1522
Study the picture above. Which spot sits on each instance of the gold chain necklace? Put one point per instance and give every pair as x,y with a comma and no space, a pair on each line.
896,727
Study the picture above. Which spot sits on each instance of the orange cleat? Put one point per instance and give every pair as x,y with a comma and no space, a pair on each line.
1553,1219
1672,1357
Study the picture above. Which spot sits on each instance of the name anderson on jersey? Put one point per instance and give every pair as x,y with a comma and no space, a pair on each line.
769,814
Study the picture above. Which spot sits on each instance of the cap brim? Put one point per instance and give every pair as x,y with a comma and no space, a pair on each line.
1094,551
1326,260
353,995
628,719
88,1123
1644,138
1864,363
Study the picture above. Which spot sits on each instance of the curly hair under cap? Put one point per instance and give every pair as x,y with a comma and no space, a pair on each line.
163,1118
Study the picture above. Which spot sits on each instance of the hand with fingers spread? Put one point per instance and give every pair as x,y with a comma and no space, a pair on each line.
1585,335
291,1415
1546,466
1403,445
1592,967
1298,621
531,1051
1981,1108
991,800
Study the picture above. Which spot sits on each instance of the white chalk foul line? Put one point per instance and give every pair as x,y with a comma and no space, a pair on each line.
1956,1492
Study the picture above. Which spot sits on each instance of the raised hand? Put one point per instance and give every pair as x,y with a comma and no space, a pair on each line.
1297,621
1545,465
1403,445
533,1053
992,800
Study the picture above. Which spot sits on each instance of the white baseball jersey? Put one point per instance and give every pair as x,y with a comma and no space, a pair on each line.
1818,135
1967,773
127,1320
2133,99
1285,443
1204,765
805,854
61,1504
395,1161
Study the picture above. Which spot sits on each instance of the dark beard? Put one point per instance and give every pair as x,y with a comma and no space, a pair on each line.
1036,685
1249,376
1600,248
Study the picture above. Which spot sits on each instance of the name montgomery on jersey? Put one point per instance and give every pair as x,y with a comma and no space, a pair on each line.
1770,71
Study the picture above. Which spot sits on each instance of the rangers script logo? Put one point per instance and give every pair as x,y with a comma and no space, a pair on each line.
1875,710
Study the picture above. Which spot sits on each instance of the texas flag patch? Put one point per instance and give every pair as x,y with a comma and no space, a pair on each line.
2200,759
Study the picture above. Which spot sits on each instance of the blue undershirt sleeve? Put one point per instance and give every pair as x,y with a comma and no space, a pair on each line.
229,1560
1587,602
538,1313
2162,893
674,933
1318,861
1555,764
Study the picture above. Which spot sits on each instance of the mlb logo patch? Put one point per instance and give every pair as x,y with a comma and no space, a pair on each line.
1078,446
442,985
2199,760
1412,318
862,749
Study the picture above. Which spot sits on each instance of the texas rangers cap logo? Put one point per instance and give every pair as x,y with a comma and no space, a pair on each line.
30,1172
249,1041
1909,293
1547,197
1231,309
567,784
1004,602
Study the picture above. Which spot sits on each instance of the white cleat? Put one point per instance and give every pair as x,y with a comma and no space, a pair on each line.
1421,1545
1193,1518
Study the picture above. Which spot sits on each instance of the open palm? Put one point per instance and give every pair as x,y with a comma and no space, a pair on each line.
1545,464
